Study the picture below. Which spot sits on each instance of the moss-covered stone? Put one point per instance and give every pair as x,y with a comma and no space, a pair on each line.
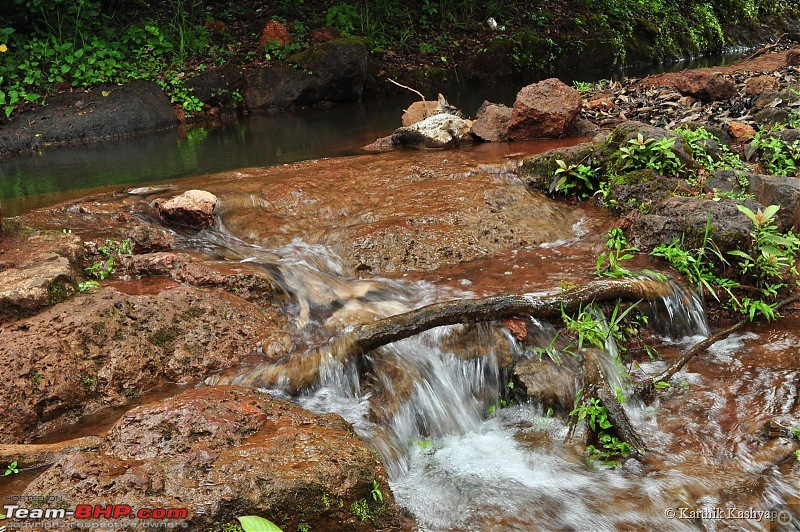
538,171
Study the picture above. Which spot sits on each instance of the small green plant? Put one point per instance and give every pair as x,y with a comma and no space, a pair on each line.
105,267
589,328
578,179
87,381
11,469
779,157
253,523
661,385
608,262
641,153
303,527
424,444
582,86
361,510
35,378
595,414
86,286
377,494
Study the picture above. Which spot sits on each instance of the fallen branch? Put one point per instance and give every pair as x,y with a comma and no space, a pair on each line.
595,386
33,455
645,387
298,371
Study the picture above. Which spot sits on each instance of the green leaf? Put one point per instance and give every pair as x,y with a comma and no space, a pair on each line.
770,211
747,212
253,523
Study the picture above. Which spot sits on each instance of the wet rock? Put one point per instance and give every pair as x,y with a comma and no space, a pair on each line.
224,452
215,86
100,113
641,190
491,121
517,327
707,86
279,87
35,285
442,130
678,216
544,110
275,33
759,85
246,280
147,237
779,190
38,270
740,132
538,171
193,209
549,384
340,68
102,349
418,111
381,145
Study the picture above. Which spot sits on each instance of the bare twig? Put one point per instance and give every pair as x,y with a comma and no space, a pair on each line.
646,386
390,80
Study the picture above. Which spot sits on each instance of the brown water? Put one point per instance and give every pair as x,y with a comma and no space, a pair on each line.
509,470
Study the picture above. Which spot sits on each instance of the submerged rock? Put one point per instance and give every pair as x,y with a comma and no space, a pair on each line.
224,452
544,110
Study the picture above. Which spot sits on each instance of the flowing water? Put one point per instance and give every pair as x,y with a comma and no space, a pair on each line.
457,461
434,406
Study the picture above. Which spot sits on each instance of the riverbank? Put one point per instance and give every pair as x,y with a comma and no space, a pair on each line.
217,61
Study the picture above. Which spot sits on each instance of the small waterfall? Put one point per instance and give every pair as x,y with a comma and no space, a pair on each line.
679,314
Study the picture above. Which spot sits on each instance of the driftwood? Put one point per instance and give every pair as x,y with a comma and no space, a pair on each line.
765,49
298,371
645,387
35,455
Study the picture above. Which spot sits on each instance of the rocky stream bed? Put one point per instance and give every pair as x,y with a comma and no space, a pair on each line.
199,282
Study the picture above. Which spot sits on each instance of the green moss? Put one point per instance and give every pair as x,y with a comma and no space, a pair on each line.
165,338
57,292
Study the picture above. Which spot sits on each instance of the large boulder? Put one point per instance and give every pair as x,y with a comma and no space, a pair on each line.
105,348
193,209
538,171
544,110
333,71
340,66
216,86
708,86
100,113
608,152
278,87
441,130
225,452
491,121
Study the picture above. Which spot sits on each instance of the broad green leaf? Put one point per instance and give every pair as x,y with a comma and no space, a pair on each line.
253,523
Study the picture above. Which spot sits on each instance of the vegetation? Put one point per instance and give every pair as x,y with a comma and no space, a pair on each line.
11,469
253,523
611,449
48,46
105,267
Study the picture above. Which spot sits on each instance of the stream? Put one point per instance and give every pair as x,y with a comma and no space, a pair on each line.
459,456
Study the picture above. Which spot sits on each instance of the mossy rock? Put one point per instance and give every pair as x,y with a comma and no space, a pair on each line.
640,190
538,171
608,152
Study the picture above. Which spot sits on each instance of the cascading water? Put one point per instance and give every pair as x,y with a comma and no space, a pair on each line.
430,406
